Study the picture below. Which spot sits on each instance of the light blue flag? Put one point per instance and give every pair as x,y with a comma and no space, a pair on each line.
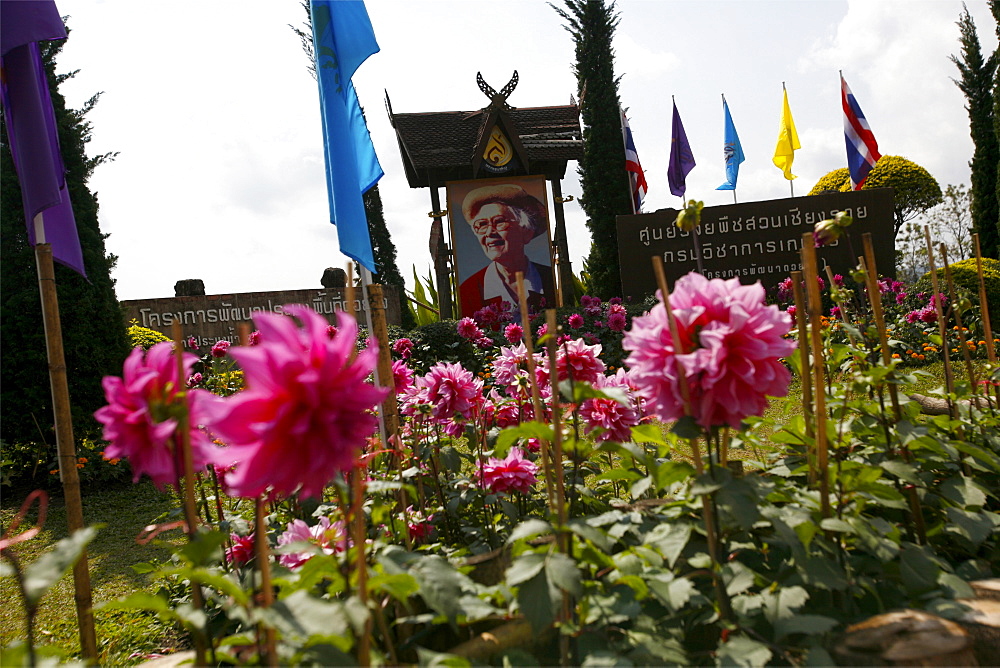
342,39
732,150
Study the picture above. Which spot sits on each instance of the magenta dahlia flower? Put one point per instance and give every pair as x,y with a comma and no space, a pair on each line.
241,551
402,376
402,347
140,420
329,537
513,333
453,391
575,321
220,348
304,414
468,329
731,350
513,473
615,419
581,360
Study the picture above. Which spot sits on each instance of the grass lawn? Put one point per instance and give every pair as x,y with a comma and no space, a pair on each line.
124,510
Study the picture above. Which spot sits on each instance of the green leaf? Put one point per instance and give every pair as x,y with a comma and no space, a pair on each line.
687,428
529,529
525,567
918,571
648,433
428,659
220,582
539,601
833,524
563,573
450,459
300,616
736,577
401,586
784,602
808,624
977,527
51,566
739,500
963,492
204,548
669,540
579,527
742,651
440,585
141,601
902,470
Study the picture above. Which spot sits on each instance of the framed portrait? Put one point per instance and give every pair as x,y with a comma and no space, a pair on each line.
499,227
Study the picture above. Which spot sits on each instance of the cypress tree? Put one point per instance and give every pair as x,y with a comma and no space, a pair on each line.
384,252
976,83
94,334
603,178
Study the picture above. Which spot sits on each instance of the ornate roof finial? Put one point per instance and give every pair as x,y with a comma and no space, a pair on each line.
498,99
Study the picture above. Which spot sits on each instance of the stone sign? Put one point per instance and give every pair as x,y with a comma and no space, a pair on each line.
211,318
756,241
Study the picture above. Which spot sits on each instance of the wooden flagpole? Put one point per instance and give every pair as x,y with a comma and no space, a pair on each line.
65,444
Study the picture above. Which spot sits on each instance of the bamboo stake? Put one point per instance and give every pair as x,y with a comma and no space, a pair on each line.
266,589
942,325
380,330
65,443
991,353
186,477
536,397
958,317
359,530
875,298
816,336
806,374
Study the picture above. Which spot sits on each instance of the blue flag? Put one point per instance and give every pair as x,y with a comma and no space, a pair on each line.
342,39
732,150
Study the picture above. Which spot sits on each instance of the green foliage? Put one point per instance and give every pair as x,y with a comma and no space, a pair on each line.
28,465
966,279
916,190
424,292
440,342
976,82
603,179
144,337
93,327
384,251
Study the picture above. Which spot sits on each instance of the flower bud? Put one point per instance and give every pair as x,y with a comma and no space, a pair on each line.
690,216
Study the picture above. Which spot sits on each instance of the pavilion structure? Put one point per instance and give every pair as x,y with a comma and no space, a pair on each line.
497,140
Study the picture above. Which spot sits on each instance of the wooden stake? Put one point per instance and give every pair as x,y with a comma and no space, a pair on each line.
958,317
991,353
942,325
380,330
264,567
875,299
812,287
360,532
806,375
65,443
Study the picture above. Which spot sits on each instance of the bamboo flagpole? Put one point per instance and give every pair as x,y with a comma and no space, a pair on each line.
65,443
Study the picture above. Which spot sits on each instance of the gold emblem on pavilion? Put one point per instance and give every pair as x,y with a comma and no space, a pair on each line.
498,149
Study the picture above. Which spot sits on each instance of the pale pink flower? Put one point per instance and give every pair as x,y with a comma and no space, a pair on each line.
329,537
304,414
220,348
582,361
509,364
140,420
731,350
242,550
513,473
513,333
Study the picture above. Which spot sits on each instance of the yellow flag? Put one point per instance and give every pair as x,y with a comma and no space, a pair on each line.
788,141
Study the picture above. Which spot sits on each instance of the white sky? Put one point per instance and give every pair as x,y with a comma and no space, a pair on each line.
220,172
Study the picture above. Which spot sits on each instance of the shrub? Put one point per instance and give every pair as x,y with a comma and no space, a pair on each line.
36,465
966,277
143,336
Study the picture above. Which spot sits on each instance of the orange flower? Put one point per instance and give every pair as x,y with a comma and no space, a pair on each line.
895,356
54,472
82,460
79,466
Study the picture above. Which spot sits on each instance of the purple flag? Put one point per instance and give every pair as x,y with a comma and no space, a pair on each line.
31,126
681,158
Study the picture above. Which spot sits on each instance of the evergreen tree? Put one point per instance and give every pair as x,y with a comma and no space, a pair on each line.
603,178
384,252
976,83
93,327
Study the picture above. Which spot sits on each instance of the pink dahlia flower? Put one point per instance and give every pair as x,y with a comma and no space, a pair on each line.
220,348
731,350
575,321
616,322
304,414
614,418
453,391
329,537
581,360
402,376
140,420
513,333
468,329
254,338
513,473
242,550
402,347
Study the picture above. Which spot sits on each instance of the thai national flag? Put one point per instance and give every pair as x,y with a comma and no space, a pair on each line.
636,178
862,149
